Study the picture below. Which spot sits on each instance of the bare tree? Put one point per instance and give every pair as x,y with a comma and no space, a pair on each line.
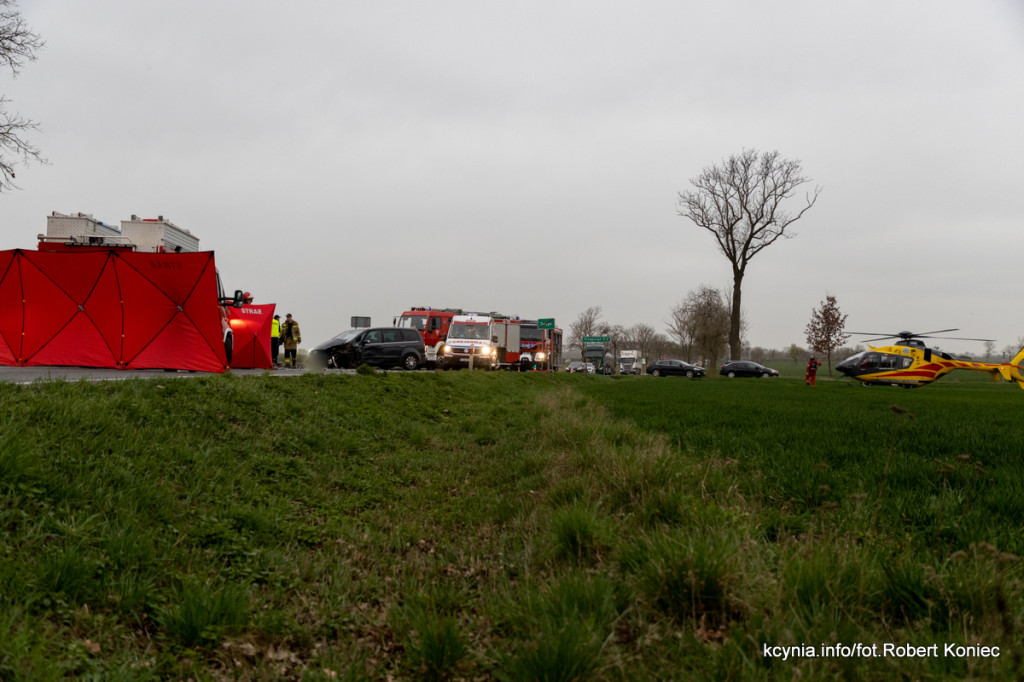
701,322
740,203
17,45
825,330
643,336
587,323
680,328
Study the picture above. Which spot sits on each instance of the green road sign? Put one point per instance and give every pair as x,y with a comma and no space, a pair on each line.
596,339
546,323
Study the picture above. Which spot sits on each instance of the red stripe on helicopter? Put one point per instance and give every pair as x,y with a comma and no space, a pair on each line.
913,373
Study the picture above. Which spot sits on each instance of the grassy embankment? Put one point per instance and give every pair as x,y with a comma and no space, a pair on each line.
466,526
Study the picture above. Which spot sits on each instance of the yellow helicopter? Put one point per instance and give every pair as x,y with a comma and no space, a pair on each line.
909,363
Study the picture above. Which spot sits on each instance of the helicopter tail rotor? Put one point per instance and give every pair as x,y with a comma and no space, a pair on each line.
1011,371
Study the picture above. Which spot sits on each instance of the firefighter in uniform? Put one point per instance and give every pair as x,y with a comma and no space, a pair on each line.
292,338
275,340
812,371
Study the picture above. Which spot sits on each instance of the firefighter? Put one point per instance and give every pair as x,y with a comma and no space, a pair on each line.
292,339
812,371
275,340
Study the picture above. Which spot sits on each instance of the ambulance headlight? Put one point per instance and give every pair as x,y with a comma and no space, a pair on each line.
541,356
447,350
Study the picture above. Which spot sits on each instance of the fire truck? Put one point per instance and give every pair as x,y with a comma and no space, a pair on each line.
481,341
432,324
133,300
540,349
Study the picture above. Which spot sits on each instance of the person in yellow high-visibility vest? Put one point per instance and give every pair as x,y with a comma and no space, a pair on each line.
275,340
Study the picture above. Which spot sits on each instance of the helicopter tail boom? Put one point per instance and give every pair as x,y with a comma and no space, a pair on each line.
1011,371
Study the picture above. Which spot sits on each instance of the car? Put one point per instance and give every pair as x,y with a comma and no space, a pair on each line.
668,368
580,366
375,346
746,368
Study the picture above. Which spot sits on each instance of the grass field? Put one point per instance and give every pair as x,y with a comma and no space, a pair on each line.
514,527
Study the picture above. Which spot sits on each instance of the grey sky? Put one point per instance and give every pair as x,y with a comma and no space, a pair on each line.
355,158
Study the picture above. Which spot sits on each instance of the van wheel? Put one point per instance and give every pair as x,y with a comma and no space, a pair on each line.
732,375
410,362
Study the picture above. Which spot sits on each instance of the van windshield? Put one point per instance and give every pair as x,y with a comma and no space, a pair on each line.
469,331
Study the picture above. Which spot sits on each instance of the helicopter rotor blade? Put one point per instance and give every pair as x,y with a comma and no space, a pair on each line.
937,331
878,334
955,338
911,335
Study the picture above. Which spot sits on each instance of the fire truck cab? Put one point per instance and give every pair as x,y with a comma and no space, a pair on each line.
432,324
540,349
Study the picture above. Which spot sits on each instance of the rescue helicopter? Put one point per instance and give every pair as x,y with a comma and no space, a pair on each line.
909,363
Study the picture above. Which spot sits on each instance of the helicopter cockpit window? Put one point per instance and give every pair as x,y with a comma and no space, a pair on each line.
869,361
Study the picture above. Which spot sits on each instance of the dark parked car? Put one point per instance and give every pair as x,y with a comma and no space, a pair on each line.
746,368
669,368
377,346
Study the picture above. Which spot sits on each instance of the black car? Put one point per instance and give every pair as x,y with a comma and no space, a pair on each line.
746,368
668,368
376,346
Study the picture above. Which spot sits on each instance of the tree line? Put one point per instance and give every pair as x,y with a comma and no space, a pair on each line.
698,331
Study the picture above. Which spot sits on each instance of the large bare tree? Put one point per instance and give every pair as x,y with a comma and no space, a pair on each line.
17,45
740,203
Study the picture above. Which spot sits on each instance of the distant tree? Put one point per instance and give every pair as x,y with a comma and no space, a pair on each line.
795,352
740,203
642,337
990,350
825,330
701,323
587,323
17,45
619,337
681,329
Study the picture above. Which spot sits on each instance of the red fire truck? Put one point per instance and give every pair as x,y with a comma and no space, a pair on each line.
432,324
539,349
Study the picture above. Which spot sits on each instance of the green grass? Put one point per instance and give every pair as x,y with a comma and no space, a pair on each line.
499,526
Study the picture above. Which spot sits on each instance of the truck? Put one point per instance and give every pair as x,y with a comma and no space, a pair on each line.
432,324
481,341
92,295
630,362
539,349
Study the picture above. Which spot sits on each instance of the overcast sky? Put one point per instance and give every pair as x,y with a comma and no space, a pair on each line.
357,158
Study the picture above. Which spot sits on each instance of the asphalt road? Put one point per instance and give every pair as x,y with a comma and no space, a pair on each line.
26,375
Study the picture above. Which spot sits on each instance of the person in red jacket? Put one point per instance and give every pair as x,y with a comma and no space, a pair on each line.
812,371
